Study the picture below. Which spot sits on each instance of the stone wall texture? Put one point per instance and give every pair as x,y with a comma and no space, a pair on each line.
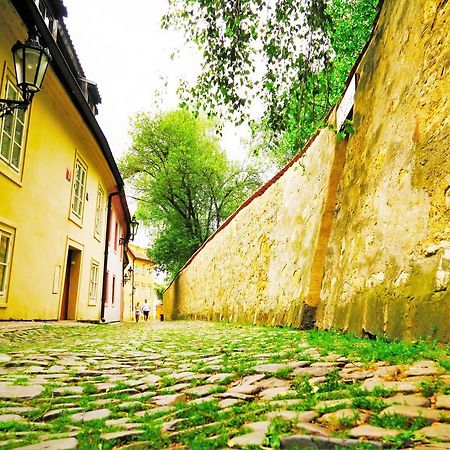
353,235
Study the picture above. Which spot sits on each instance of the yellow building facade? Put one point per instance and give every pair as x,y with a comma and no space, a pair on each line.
57,175
140,284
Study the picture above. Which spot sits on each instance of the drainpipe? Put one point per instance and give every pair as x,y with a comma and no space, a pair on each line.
105,262
132,290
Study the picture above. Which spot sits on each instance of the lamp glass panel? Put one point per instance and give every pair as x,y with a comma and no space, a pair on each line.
18,64
42,70
32,57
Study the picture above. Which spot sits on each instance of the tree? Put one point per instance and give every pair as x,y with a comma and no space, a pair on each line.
185,183
291,56
312,95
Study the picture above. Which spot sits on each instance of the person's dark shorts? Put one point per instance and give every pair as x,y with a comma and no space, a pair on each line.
146,314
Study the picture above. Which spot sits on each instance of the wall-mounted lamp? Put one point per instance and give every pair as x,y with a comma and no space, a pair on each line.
30,63
134,225
127,276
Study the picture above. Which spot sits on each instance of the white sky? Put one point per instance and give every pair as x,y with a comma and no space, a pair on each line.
122,48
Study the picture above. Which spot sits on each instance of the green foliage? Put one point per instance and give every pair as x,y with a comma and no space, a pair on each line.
402,440
399,422
366,402
277,428
314,92
160,288
291,57
332,382
186,185
348,128
432,387
396,352
236,37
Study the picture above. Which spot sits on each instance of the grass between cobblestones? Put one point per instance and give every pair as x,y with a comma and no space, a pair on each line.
109,364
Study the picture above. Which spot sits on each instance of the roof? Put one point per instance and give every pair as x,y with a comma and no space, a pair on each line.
68,69
73,60
139,253
58,8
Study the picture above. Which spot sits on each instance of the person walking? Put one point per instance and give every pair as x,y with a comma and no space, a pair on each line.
137,312
145,310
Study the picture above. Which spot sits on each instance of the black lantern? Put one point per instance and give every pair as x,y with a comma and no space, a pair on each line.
31,61
134,225
128,275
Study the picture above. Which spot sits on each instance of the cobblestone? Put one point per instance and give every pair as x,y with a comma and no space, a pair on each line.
168,385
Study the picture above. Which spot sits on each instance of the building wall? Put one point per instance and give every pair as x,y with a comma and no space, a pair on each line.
388,265
114,288
142,280
36,204
367,248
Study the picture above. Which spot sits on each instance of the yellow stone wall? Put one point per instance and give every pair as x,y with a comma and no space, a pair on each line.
364,234
388,265
258,267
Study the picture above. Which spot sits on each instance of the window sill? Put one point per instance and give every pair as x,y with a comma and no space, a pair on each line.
76,220
12,175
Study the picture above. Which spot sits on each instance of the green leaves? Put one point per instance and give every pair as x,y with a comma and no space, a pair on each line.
290,58
185,183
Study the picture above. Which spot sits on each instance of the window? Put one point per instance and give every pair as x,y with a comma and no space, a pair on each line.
113,293
93,283
99,213
12,132
78,189
5,260
116,236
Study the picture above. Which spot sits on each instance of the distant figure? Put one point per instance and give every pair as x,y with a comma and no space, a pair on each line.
146,310
137,312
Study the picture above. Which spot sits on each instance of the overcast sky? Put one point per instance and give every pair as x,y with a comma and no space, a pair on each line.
123,49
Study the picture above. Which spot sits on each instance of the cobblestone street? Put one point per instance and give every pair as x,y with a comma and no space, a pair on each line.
202,385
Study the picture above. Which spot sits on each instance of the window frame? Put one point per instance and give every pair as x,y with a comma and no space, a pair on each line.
113,291
99,212
10,233
93,283
116,236
73,215
13,172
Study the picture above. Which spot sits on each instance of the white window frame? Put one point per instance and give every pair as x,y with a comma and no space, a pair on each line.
99,213
19,117
6,264
78,190
113,291
93,282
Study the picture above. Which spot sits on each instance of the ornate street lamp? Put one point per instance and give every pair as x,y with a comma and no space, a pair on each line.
134,225
30,63
127,275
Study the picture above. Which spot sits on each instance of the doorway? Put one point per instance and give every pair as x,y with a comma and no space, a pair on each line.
70,291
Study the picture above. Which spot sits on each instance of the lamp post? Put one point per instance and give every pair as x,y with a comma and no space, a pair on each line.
31,61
